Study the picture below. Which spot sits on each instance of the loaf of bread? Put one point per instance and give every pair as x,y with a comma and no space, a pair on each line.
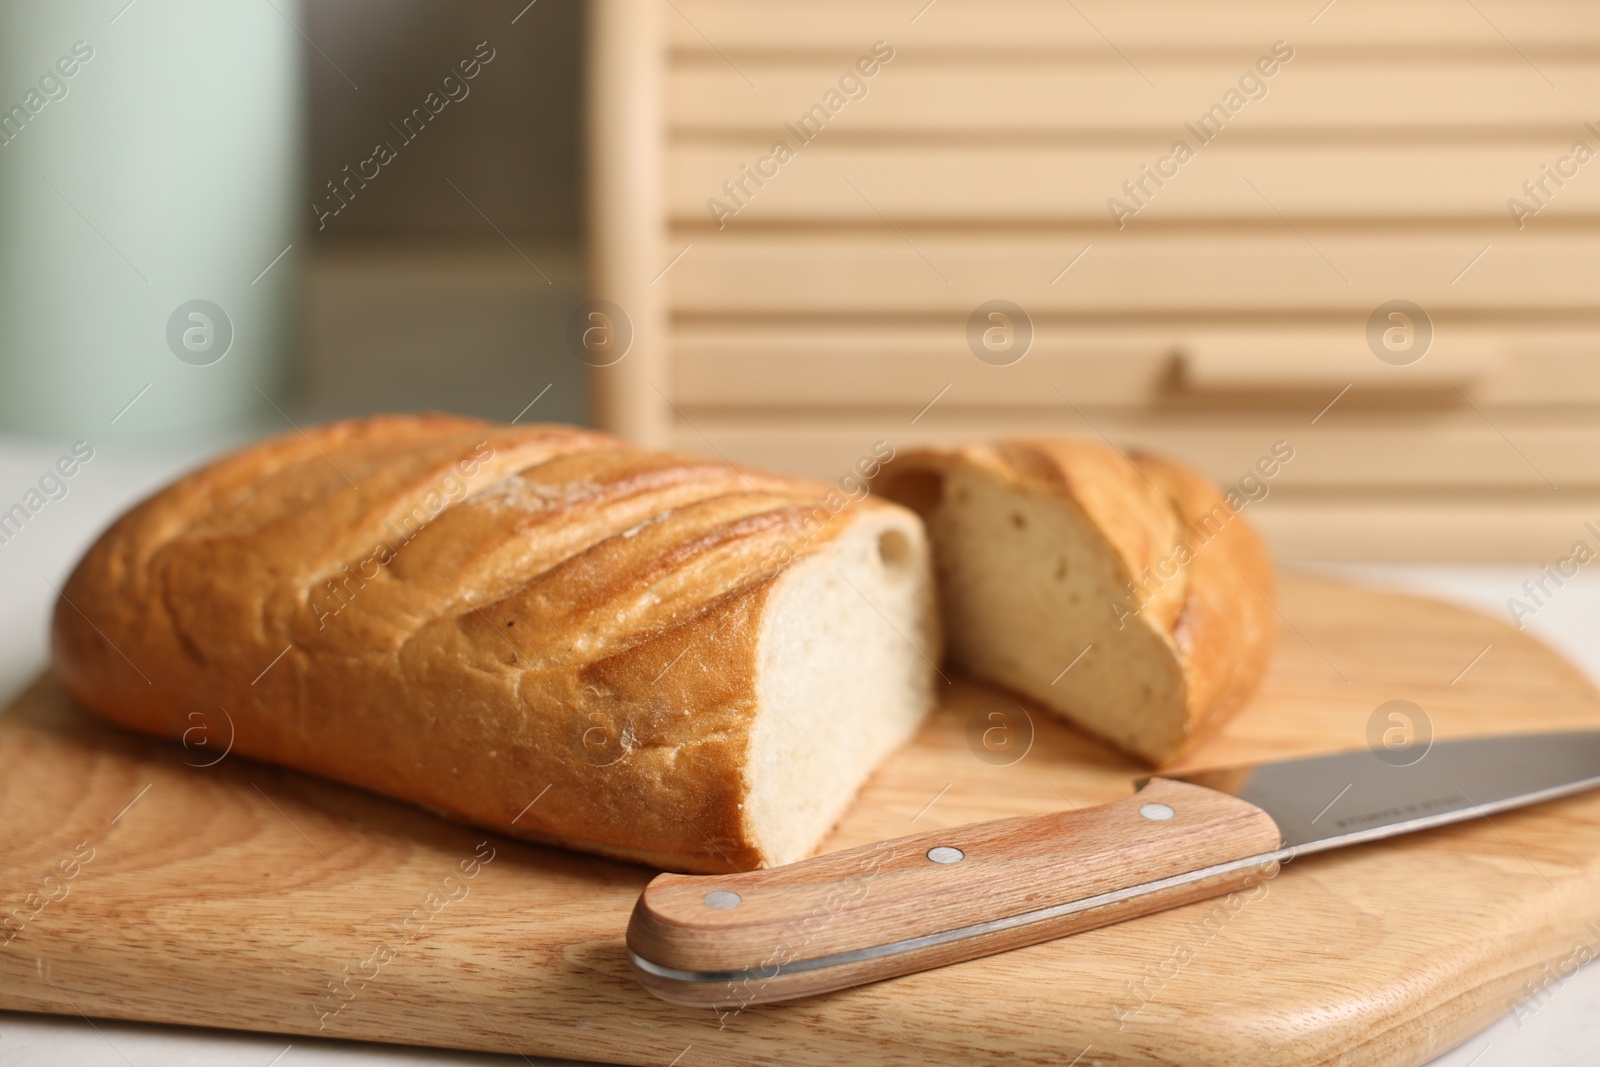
1125,594
536,629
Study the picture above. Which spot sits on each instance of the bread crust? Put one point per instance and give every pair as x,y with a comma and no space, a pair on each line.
536,629
1215,610
1226,628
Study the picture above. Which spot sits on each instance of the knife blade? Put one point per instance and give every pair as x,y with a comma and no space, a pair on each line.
945,896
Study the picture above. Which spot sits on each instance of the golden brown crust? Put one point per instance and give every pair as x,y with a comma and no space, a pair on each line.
466,615
1156,516
1225,628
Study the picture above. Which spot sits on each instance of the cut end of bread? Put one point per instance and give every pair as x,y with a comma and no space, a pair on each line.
845,677
1068,576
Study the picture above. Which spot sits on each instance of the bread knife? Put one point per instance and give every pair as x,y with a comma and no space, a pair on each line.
945,896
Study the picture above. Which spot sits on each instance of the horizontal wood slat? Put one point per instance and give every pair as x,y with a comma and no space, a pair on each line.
702,27
915,272
1427,98
1292,360
1486,527
1346,450
766,366
1051,183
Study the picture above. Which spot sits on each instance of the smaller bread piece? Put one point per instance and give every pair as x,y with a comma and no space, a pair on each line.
537,629
1132,571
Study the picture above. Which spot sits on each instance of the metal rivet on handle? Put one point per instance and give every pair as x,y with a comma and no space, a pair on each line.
721,899
946,854
1158,812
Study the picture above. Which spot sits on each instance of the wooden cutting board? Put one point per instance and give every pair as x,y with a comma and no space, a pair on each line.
240,895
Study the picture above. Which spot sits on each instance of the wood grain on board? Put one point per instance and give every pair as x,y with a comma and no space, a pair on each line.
142,886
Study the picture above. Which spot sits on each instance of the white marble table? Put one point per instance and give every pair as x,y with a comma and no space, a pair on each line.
1562,1030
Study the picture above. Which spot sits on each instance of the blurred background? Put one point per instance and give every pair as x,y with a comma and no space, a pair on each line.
782,232
447,282
201,140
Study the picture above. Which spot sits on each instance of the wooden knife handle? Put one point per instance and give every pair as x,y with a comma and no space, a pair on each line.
942,896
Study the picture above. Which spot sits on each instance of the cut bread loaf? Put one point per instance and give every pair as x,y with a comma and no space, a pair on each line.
670,660
1124,594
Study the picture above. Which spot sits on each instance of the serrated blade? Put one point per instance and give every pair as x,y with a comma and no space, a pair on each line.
1323,802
